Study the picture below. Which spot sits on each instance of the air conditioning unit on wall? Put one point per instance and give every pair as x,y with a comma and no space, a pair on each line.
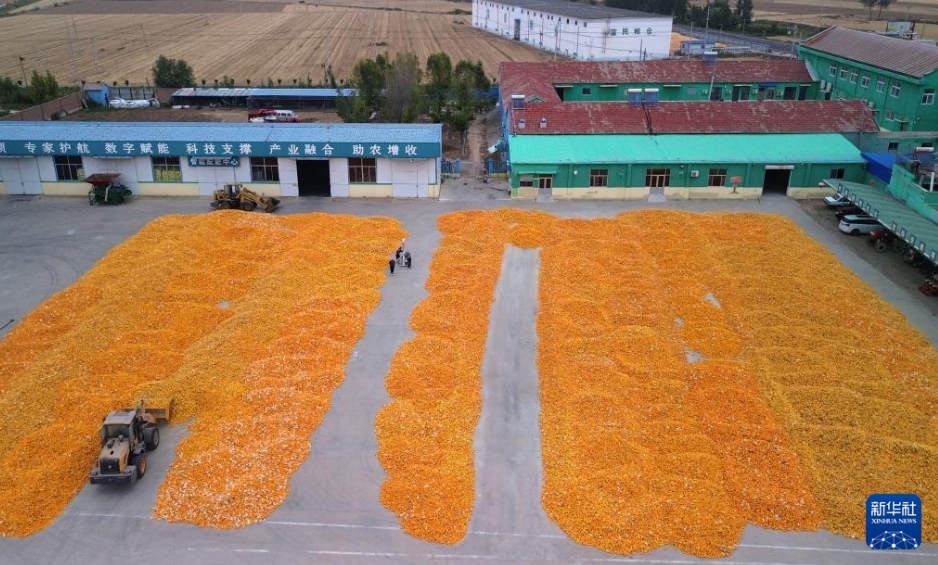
694,174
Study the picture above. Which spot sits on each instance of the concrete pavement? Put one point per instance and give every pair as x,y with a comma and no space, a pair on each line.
333,514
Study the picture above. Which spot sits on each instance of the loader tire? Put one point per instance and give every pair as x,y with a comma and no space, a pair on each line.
224,205
151,437
880,246
248,206
141,466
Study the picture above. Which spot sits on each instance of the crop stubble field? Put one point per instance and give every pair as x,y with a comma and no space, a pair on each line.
118,41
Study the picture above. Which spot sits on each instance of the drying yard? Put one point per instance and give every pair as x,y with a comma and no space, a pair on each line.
656,381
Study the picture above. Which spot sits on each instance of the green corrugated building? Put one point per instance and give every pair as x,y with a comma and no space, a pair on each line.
559,147
896,78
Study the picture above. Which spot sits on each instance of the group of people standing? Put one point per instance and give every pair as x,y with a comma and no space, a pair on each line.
401,257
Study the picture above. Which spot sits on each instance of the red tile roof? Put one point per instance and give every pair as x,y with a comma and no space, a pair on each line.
536,81
913,58
773,116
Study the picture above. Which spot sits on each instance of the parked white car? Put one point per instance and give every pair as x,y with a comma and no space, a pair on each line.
855,225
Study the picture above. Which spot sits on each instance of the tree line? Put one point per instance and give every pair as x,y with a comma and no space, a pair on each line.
41,88
401,90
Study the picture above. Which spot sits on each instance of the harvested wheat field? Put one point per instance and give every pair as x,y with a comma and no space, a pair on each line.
691,382
247,320
117,41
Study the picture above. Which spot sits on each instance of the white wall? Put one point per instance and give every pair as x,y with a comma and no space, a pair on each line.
338,176
289,184
21,175
585,40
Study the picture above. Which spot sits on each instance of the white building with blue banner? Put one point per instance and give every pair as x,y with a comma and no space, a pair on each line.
195,159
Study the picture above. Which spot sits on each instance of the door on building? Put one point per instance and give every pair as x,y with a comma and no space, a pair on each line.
776,180
517,30
545,184
312,177
741,93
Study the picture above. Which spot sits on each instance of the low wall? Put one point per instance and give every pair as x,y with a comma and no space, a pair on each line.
168,189
65,188
712,192
369,191
69,104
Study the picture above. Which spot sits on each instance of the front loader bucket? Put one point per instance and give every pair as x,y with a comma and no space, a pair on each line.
270,204
160,408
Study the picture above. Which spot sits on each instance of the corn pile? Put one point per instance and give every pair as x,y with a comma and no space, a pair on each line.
247,320
693,380
425,434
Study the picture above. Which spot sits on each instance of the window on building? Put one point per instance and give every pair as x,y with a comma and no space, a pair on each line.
928,97
526,180
853,77
166,168
880,85
362,169
837,174
890,116
893,146
613,31
865,81
843,72
599,177
657,178
68,167
832,70
894,90
789,93
692,91
587,91
264,169
717,177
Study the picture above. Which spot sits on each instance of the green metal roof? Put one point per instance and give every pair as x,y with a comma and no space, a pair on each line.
921,233
671,149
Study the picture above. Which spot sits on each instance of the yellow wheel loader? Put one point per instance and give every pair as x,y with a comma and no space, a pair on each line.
126,437
237,196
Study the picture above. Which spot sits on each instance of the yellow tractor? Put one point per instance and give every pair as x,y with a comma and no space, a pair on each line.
237,196
126,436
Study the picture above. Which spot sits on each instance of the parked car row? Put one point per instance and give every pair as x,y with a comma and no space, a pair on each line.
853,220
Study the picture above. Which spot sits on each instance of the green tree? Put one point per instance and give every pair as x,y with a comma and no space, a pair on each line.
403,90
42,88
439,84
721,15
12,93
883,4
172,73
680,11
869,5
470,85
368,80
743,11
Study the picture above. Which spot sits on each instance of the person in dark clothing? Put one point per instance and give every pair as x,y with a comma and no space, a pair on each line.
391,263
407,259
399,255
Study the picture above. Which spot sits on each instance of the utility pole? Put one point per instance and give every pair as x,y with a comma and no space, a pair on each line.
23,69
